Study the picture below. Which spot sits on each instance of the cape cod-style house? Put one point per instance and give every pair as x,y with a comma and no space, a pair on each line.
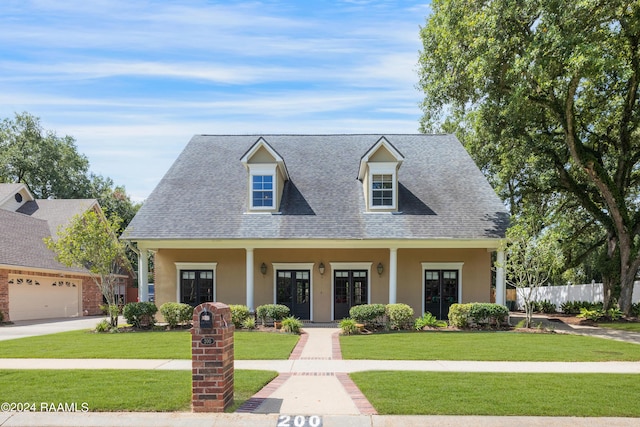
321,223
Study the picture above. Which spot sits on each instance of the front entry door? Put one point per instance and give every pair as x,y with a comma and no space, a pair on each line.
350,288
440,291
293,290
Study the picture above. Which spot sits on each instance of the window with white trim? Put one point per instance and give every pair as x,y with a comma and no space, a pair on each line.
382,190
262,191
383,185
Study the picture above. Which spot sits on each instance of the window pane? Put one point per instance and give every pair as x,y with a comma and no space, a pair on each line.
262,191
382,190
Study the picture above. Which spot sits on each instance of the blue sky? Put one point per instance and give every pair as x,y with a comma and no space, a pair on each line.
133,80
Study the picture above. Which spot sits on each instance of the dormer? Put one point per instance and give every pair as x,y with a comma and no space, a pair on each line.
14,196
267,175
378,173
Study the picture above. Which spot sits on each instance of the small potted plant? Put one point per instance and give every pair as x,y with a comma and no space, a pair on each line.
278,312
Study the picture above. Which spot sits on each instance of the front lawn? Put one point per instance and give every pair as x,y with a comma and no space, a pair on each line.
141,345
501,394
115,390
486,346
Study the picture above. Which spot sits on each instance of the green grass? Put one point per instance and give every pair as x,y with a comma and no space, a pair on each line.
486,346
263,345
624,326
141,345
503,394
117,390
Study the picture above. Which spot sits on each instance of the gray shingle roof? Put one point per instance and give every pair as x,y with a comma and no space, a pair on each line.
442,193
22,245
57,212
22,232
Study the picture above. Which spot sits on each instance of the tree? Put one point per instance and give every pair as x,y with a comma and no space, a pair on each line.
48,164
51,167
113,199
545,96
530,261
90,241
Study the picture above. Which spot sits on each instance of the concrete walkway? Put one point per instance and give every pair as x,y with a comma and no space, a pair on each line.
314,382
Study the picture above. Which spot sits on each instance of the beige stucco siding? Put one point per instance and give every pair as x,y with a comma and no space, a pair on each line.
230,280
476,273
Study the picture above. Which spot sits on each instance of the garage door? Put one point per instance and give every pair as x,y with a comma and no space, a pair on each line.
34,297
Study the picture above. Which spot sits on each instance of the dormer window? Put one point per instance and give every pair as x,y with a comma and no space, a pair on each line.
379,176
382,190
267,175
262,191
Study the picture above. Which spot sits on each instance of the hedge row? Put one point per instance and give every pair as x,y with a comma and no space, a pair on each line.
393,316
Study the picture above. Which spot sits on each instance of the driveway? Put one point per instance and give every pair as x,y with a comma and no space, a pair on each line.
31,328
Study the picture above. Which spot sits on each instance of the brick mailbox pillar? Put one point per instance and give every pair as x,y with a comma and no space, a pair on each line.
211,358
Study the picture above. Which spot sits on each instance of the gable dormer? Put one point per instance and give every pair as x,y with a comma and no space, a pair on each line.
378,173
14,196
267,175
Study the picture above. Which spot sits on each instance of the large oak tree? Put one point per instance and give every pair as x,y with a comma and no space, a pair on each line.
545,95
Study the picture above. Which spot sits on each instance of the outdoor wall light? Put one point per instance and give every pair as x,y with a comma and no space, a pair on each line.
380,269
321,268
263,268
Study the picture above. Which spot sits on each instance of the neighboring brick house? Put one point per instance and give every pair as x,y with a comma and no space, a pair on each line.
322,223
33,285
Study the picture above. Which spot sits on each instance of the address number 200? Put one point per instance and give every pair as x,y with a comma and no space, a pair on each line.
299,421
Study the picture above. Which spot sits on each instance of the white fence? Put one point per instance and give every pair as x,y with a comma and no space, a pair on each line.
558,294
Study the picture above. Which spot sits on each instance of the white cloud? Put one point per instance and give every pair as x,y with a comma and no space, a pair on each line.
132,81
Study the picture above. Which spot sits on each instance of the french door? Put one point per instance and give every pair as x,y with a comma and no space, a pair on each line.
350,288
440,291
293,290
196,286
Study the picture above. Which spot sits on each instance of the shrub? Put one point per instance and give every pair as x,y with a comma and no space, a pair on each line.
249,323
103,326
614,313
478,314
176,313
368,314
429,320
574,307
348,326
239,313
261,312
459,315
570,307
547,307
292,325
400,316
1,317
140,314
272,311
487,314
594,314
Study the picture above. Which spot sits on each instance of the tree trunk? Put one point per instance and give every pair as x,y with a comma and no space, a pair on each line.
627,279
608,280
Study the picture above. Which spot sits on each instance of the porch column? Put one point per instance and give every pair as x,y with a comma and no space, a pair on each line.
501,286
393,275
250,279
143,275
